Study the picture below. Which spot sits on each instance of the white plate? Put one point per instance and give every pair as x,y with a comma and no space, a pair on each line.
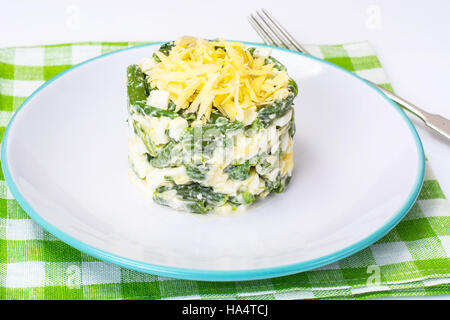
359,166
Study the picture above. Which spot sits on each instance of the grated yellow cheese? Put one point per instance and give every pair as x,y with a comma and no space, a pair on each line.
202,74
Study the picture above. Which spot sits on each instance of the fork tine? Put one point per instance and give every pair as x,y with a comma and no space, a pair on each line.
268,29
284,32
268,34
281,40
259,30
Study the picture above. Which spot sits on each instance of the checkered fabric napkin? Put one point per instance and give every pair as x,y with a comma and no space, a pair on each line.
413,259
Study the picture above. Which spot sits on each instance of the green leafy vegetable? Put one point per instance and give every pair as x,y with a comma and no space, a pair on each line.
242,198
218,118
239,172
279,185
156,58
165,49
189,116
136,86
292,127
196,198
253,128
169,156
197,172
142,132
172,106
157,112
293,87
196,191
275,110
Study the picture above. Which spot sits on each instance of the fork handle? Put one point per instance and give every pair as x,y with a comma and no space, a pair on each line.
434,121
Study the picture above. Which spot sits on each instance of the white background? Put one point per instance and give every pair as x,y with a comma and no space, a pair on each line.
411,38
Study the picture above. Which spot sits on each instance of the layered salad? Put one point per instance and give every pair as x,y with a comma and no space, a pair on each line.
211,124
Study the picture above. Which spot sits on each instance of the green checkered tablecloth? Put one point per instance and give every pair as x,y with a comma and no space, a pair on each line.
413,259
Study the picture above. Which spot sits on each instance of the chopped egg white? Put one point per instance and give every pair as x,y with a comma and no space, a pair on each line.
262,52
176,127
280,122
158,99
147,64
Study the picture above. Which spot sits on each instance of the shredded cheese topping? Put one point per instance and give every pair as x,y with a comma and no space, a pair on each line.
201,74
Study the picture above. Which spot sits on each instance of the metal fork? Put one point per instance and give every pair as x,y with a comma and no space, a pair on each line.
273,33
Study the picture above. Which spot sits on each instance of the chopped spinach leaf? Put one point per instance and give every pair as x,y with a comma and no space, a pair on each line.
275,110
242,198
239,171
165,49
169,156
172,106
136,86
293,87
143,133
196,198
196,172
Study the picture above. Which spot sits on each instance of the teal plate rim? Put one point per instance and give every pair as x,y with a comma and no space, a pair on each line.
217,275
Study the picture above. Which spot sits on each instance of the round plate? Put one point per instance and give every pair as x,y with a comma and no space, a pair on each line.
359,166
